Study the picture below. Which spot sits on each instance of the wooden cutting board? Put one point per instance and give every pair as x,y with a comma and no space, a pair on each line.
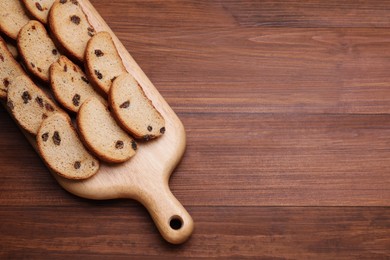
145,177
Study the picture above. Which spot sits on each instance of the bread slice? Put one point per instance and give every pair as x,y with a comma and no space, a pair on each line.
28,104
133,110
70,85
9,69
37,50
12,17
102,135
39,9
62,150
102,61
70,28
13,50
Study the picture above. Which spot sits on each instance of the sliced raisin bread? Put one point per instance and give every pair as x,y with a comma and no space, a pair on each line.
39,9
70,85
70,28
12,17
9,69
28,104
102,135
102,61
37,50
62,150
133,110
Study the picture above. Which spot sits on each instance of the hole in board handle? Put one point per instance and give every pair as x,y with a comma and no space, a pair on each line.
176,223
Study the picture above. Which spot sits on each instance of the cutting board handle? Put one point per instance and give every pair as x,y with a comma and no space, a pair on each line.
169,215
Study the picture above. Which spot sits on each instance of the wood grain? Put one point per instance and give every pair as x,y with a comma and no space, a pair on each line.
286,108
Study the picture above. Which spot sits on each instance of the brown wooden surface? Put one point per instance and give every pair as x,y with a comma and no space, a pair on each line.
287,110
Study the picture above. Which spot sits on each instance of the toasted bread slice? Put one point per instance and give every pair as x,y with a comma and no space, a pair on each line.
102,135
62,150
103,62
39,9
9,69
70,85
133,110
12,17
37,50
28,104
70,28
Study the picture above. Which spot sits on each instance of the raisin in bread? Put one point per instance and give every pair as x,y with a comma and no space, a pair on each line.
37,50
102,61
28,104
39,9
12,17
70,28
70,85
9,69
133,110
102,135
62,150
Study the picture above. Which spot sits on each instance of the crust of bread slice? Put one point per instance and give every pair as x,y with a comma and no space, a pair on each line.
70,85
38,9
28,104
12,17
102,135
9,69
62,150
133,110
70,28
37,50
103,62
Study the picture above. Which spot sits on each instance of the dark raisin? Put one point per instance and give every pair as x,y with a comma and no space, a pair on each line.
6,82
54,51
125,105
75,2
75,19
44,116
93,164
77,165
150,128
114,78
39,100
74,68
26,97
32,65
39,7
85,79
63,1
134,145
162,130
99,53
91,31
119,145
45,137
66,68
39,69
1,57
10,105
33,27
76,100
56,138
147,137
49,107
98,74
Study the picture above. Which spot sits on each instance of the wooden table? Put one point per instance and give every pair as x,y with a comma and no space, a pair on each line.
287,110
